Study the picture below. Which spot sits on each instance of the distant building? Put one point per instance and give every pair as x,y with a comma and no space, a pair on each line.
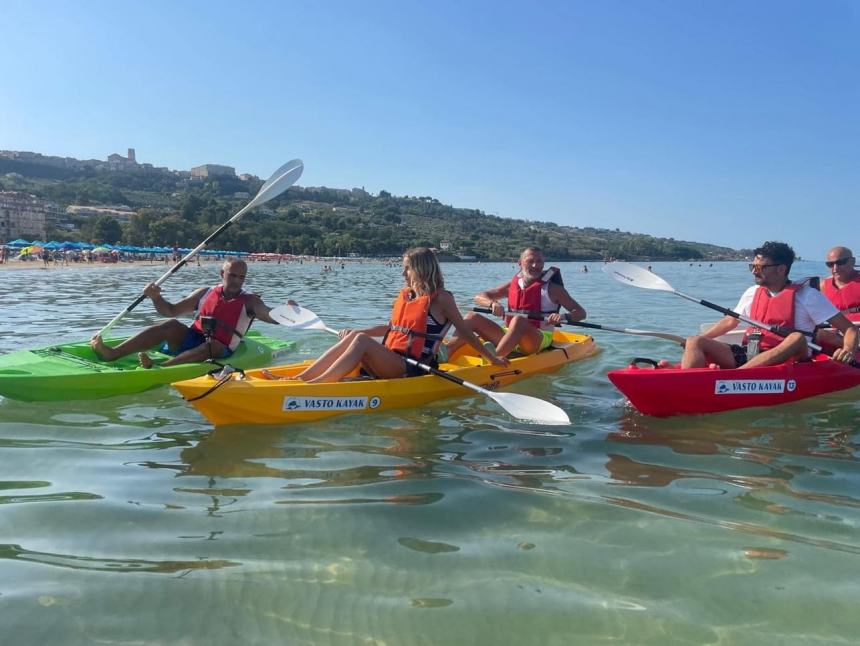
116,161
213,170
26,216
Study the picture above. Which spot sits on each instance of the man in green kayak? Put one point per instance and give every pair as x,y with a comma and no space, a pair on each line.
777,301
535,297
223,314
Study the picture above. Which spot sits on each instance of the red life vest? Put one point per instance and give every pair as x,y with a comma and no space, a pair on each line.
774,310
408,326
845,298
231,319
534,299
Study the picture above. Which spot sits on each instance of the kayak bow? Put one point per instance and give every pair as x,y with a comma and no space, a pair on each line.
73,371
253,399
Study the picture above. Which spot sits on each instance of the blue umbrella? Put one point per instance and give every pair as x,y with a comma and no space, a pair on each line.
18,243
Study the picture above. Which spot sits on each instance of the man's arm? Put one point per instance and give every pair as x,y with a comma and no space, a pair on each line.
849,339
491,297
164,307
724,325
560,295
260,310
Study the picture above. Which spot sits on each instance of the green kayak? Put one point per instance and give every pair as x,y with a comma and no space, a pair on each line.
72,370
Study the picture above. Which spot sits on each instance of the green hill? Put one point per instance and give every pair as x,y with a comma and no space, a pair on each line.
172,207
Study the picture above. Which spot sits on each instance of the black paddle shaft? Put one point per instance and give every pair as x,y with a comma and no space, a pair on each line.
184,261
781,331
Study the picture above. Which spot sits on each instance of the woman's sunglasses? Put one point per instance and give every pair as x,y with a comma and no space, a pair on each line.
836,263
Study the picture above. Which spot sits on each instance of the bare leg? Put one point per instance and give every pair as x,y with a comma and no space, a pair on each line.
793,347
699,351
199,353
829,338
520,333
364,350
331,355
171,331
481,326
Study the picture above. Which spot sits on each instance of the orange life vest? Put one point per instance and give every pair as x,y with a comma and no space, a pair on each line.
408,326
774,310
845,298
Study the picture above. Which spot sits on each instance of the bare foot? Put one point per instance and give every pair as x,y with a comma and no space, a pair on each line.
145,361
713,366
663,363
103,352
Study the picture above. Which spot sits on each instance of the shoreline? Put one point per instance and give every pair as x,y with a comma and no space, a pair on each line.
29,265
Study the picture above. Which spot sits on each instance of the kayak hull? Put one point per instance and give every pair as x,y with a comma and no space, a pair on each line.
666,392
253,399
72,371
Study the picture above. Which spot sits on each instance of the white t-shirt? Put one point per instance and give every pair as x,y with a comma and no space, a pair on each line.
811,307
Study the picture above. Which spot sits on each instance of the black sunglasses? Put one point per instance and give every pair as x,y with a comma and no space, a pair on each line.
837,263
754,267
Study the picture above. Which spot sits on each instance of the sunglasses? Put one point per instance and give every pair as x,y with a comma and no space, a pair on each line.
754,268
836,263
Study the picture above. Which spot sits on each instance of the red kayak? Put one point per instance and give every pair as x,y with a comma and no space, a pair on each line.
664,392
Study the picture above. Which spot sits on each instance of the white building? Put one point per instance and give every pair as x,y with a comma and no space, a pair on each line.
26,216
213,170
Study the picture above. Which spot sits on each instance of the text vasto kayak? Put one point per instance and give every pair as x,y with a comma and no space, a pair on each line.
672,391
253,399
73,371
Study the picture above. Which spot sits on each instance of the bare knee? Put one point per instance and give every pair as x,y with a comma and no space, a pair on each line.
694,343
796,341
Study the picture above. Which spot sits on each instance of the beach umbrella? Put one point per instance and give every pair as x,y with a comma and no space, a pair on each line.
101,250
18,243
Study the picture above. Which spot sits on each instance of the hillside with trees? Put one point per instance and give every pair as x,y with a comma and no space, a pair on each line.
170,207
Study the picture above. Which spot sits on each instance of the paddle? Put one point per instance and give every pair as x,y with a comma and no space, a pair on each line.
280,181
519,406
636,276
593,326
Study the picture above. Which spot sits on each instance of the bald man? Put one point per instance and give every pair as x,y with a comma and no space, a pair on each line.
227,305
842,289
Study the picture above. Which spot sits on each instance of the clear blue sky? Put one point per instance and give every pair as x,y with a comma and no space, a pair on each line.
719,121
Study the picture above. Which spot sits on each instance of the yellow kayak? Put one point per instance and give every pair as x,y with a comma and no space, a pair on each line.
253,398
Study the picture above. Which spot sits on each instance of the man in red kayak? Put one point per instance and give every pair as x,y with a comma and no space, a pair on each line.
223,312
774,300
842,289
534,292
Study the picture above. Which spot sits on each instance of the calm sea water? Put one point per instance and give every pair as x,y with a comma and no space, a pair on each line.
133,521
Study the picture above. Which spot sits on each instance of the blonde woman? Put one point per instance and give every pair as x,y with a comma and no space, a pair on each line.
420,318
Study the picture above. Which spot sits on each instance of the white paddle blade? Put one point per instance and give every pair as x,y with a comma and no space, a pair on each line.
530,409
296,317
630,274
280,181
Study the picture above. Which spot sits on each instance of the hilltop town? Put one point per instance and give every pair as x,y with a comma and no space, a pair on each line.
121,200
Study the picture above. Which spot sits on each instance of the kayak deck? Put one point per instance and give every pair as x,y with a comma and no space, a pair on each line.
73,371
254,399
665,392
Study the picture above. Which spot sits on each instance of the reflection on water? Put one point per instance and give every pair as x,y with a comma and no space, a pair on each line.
445,524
